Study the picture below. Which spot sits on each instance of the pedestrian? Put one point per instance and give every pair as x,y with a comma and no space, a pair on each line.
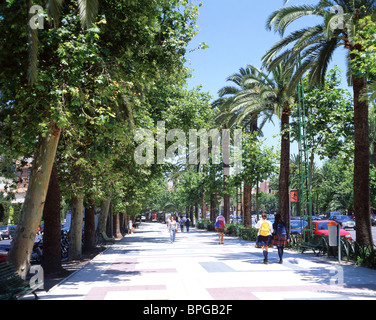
181,222
220,226
130,227
187,224
280,236
265,230
172,228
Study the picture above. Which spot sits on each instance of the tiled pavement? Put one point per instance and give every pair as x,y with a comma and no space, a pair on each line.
145,266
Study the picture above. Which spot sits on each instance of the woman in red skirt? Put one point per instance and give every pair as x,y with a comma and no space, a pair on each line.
280,236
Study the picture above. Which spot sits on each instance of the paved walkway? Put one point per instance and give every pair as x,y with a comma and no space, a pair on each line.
145,266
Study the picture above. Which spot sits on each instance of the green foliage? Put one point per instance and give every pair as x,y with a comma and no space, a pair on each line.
189,109
259,161
6,211
268,202
336,190
363,59
98,84
330,129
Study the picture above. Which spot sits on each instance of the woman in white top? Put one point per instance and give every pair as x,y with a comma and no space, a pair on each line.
172,227
264,235
130,227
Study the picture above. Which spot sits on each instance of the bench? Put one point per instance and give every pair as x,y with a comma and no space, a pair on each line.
12,286
318,243
106,239
311,246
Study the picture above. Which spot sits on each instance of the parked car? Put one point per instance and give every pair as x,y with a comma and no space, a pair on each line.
320,227
12,230
373,219
4,233
4,249
335,213
271,217
3,255
296,226
345,221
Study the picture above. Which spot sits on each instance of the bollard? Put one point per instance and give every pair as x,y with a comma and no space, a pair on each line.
333,239
334,233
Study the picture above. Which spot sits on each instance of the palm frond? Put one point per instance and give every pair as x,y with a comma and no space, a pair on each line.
299,36
279,20
228,90
323,57
88,10
54,10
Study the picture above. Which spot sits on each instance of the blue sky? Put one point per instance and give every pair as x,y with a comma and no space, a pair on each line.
236,35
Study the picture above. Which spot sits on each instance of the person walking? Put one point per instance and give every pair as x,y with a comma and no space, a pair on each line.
220,226
130,227
181,222
280,236
172,228
263,240
187,224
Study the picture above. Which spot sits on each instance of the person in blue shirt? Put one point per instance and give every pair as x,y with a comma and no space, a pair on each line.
187,224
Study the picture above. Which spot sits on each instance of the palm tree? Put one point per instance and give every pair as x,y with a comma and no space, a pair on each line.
232,110
314,46
87,11
240,105
268,94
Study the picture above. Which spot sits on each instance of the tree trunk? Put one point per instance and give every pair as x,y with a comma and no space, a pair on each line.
116,226
102,222
203,205
51,260
226,196
213,206
361,165
110,223
32,210
191,213
257,200
196,211
89,228
248,187
75,232
123,221
283,190
247,205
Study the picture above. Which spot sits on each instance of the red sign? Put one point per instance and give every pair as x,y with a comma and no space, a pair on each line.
294,196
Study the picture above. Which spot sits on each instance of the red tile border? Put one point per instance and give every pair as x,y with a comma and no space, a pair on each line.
248,293
99,293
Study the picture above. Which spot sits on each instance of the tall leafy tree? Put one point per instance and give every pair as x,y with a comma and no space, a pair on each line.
259,164
83,76
87,11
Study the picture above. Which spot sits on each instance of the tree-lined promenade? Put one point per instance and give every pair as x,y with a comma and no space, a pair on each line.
75,89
